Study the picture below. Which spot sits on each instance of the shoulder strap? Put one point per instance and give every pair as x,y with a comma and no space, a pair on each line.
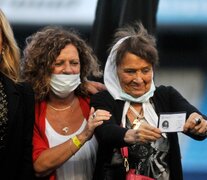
124,152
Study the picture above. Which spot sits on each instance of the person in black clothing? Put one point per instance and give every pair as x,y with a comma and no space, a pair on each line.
114,14
16,111
135,104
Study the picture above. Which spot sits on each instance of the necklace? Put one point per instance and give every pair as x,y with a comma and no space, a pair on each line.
137,116
65,129
61,109
136,113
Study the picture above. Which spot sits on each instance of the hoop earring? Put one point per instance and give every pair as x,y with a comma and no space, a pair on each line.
2,51
1,54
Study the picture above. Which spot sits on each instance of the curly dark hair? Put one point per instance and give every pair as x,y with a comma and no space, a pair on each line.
41,51
139,42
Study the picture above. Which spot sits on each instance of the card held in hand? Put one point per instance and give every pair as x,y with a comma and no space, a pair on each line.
172,122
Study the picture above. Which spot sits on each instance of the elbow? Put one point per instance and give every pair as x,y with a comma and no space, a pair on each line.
39,175
41,170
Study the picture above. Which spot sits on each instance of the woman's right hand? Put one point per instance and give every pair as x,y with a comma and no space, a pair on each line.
144,134
95,119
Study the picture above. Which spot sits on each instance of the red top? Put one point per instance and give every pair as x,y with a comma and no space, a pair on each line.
40,141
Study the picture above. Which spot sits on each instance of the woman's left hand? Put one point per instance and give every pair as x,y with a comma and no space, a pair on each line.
196,124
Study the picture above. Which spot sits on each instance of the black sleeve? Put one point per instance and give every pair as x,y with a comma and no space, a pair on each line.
171,100
110,132
29,117
168,99
179,103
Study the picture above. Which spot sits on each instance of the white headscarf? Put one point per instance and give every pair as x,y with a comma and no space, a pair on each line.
112,84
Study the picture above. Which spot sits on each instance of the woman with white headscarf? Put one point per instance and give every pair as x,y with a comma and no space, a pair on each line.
135,104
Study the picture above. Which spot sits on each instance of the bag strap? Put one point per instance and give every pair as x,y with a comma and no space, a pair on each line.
125,154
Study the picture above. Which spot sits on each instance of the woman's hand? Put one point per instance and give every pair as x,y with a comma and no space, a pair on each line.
95,119
145,133
52,158
93,87
196,124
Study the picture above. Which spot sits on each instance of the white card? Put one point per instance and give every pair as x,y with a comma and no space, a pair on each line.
172,122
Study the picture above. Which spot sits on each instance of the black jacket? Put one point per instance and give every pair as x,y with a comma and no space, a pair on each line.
17,163
110,135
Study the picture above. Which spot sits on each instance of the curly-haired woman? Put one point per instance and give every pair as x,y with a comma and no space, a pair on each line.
57,62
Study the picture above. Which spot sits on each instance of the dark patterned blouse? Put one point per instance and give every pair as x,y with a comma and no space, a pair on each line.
149,159
3,118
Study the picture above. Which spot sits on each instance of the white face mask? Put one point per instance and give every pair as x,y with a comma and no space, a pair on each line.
62,85
144,98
